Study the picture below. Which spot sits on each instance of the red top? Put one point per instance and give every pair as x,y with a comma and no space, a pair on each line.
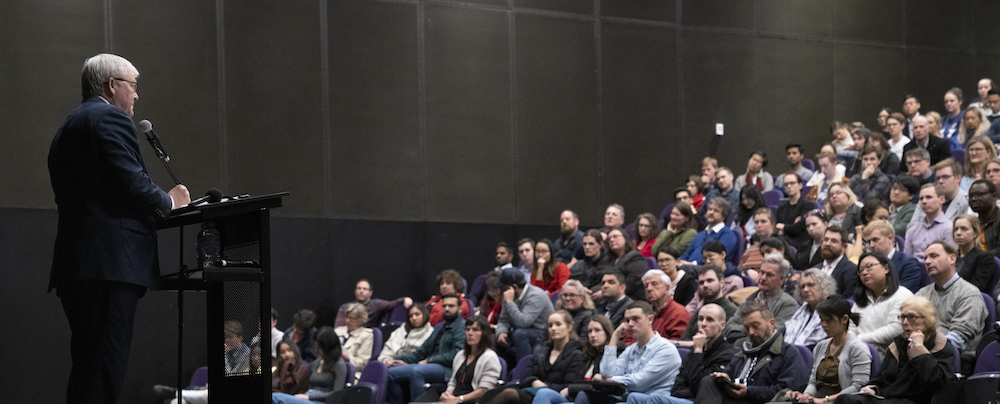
556,284
697,201
646,250
436,311
670,322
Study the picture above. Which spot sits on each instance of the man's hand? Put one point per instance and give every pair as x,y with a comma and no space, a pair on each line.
180,195
508,295
407,302
387,362
869,389
347,356
302,396
869,171
737,392
423,362
502,339
596,378
396,362
698,342
618,334
595,295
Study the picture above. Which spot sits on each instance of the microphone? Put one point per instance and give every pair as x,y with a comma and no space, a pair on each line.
147,128
212,196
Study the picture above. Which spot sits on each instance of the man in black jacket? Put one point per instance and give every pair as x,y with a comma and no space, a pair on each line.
709,352
615,301
938,148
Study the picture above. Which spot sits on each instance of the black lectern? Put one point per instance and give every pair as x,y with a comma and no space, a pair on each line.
239,295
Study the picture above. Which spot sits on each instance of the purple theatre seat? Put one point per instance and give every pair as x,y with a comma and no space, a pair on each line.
899,243
652,263
398,316
992,284
199,378
630,231
806,355
554,298
741,246
376,346
521,369
665,214
876,365
683,352
350,373
773,198
959,156
748,281
809,164
477,286
503,370
988,361
376,377
991,312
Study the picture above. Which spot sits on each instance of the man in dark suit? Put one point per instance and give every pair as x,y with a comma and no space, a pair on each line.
835,262
939,149
615,301
881,238
105,250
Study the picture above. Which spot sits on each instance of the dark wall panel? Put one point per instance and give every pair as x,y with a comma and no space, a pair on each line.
375,146
640,114
718,13
558,141
862,87
273,110
945,24
184,63
469,140
788,69
570,6
931,73
44,45
720,84
865,20
793,17
658,10
987,36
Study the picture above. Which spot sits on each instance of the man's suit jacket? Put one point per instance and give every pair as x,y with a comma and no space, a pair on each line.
912,274
846,275
615,311
107,203
802,259
938,148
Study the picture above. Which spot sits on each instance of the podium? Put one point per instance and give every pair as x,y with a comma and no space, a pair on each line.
238,297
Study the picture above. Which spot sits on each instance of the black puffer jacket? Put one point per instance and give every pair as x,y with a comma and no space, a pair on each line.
568,367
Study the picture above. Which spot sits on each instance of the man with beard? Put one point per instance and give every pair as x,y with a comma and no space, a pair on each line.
709,352
709,293
773,271
595,262
646,369
983,201
505,255
881,238
570,242
764,364
431,363
376,307
934,226
615,301
835,262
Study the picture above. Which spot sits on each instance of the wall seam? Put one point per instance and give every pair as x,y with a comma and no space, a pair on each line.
599,98
422,108
220,32
511,49
324,55
108,42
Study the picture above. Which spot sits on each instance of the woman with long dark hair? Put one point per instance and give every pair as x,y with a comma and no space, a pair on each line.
646,230
476,368
291,373
877,298
680,231
410,336
598,334
627,260
327,374
548,273
750,200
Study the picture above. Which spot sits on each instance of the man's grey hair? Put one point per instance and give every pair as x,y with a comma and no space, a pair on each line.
656,272
775,258
723,205
620,209
99,69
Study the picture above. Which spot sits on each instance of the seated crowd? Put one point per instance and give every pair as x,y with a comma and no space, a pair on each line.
750,288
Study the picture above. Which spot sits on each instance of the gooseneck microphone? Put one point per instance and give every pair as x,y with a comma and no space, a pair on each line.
147,128
212,196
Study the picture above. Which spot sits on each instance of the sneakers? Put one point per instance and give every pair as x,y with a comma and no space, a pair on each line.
164,392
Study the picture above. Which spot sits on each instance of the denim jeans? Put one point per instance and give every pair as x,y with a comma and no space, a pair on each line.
525,340
415,376
548,396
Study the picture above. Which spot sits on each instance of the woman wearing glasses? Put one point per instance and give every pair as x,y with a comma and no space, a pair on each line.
576,301
978,152
877,298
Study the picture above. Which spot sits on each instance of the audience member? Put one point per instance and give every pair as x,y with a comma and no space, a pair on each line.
851,157
377,308
276,334
670,317
974,124
901,206
526,256
973,264
993,103
682,285
805,328
952,119
883,118
983,201
525,310
842,140
934,226
881,238
773,271
979,150
646,369
715,254
870,183
709,351
763,220
476,367
595,262
709,292
841,362
291,374
599,332
842,210
716,230
432,362
958,303
934,124
889,161
938,149
683,194
626,260
835,262
755,174
302,333
492,301
680,231
877,299
709,169
569,245
873,210
983,88
327,375
614,216
723,189
449,282
763,365
557,362
614,300
237,352
356,340
897,140
548,273
408,338
750,200
793,155
504,257
696,188
918,363
827,175
911,109
918,162
789,216
948,174
815,224
646,230
575,300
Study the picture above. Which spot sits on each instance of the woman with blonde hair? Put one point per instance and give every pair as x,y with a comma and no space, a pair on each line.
978,152
842,208
973,124
575,300
934,123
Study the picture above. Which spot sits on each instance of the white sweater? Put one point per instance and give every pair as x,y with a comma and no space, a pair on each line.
402,343
880,320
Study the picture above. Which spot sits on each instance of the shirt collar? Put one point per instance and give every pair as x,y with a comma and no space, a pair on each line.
104,99
718,227
954,278
891,253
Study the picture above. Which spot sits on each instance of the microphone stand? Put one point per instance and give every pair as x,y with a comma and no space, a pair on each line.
154,141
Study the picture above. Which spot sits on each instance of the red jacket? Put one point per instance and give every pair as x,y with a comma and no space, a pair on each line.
555,284
670,322
437,317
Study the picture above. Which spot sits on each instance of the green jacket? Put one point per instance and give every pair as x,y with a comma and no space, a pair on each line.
903,216
452,341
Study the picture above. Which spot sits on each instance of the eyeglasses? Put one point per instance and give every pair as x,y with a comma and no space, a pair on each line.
570,295
977,150
977,195
867,268
908,317
664,260
945,177
134,84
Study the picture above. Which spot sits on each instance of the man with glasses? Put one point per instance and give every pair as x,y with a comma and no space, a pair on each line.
105,256
671,318
870,183
793,154
790,221
911,109
918,164
958,304
983,201
947,174
880,237
938,149
901,206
